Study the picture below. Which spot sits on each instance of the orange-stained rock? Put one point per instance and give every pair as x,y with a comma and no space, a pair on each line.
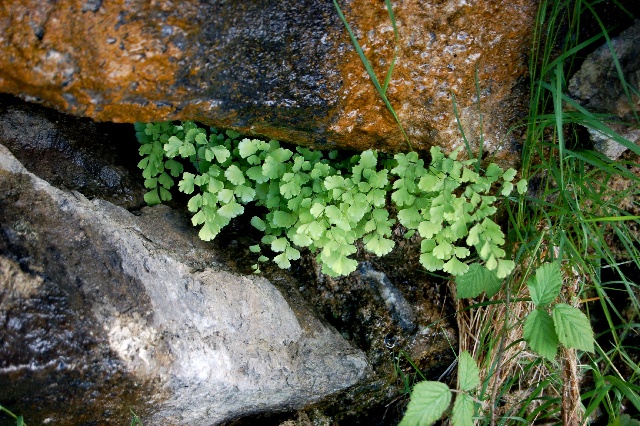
282,69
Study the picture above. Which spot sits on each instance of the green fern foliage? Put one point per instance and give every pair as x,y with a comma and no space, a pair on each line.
326,204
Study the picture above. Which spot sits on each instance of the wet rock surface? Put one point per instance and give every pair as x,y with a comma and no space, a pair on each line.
268,68
130,307
137,310
596,86
390,308
73,153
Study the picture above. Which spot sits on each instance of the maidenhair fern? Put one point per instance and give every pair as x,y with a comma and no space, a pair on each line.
315,201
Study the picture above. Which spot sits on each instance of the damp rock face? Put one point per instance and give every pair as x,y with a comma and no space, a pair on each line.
102,310
271,69
597,87
72,153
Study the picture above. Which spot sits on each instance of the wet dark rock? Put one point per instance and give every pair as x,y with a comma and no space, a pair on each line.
596,86
102,311
265,67
73,153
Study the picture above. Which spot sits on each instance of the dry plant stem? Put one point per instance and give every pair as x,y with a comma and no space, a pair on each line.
572,410
500,354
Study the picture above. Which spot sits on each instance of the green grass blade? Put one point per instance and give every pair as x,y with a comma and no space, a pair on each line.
372,74
392,18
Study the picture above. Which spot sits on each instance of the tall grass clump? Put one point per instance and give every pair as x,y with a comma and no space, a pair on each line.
576,227
577,214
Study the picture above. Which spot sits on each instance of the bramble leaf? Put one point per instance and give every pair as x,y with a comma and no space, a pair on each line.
546,285
476,280
428,402
468,372
463,408
540,333
573,327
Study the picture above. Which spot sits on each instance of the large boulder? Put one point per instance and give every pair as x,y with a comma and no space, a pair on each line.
274,68
597,87
103,311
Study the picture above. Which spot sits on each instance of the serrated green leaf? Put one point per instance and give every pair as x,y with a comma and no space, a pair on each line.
522,187
198,218
194,203
504,268
279,245
283,219
410,217
455,267
255,174
463,409
221,153
430,183
245,193
468,175
231,210
316,229
290,189
430,262
368,159
546,285
493,171
216,186
301,240
225,195
208,231
540,333
292,253
254,248
174,167
317,209
282,261
164,194
165,180
402,197
379,245
339,265
429,229
443,251
152,198
187,150
247,147
272,168
507,188
509,174
492,232
234,175
476,280
473,239
468,372
172,147
258,223
151,183
573,327
429,400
